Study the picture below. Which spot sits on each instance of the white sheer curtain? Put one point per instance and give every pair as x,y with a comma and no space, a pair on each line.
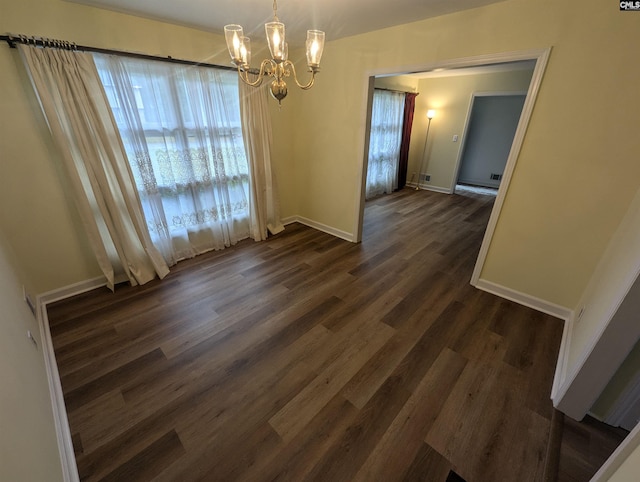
78,116
384,142
182,133
256,129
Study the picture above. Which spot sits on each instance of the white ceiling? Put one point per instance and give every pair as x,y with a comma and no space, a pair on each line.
338,18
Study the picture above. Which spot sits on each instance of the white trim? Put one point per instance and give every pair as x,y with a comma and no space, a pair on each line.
289,220
70,290
618,457
427,187
320,227
478,60
563,358
363,140
527,109
524,299
63,433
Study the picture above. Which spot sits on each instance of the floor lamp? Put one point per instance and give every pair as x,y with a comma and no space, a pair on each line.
430,115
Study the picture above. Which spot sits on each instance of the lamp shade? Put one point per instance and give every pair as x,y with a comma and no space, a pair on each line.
315,46
276,40
233,34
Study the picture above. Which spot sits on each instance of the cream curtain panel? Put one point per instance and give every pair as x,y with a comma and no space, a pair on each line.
78,115
256,131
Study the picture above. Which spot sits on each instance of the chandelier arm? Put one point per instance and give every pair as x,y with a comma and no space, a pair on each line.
266,67
307,86
244,76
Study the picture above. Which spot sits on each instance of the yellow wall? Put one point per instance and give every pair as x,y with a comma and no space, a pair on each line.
629,460
28,446
450,97
628,471
578,167
285,163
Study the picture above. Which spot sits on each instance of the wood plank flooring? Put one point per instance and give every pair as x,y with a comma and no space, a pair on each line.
585,446
306,357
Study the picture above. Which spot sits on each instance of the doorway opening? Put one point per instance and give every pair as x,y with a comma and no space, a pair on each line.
437,180
488,135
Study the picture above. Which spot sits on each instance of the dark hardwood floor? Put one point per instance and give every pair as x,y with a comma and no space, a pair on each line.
585,446
306,357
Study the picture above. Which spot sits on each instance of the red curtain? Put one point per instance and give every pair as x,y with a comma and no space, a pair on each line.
409,107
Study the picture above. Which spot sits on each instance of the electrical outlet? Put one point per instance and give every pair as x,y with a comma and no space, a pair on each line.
425,177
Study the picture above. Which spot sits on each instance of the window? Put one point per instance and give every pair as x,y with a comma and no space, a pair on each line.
384,142
181,130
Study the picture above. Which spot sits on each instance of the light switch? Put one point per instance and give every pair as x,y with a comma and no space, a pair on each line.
455,138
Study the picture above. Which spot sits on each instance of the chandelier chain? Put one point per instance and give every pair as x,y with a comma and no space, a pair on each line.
275,10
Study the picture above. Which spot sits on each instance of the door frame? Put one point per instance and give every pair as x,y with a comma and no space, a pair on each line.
541,57
465,130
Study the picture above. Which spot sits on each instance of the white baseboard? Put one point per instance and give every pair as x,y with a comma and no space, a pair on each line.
320,227
427,187
70,290
63,433
524,299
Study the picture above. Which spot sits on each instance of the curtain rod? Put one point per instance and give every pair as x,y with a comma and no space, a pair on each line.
396,91
12,40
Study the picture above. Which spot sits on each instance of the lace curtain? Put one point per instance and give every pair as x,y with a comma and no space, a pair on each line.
181,130
384,142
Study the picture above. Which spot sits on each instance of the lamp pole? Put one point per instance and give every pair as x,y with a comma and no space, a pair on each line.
430,116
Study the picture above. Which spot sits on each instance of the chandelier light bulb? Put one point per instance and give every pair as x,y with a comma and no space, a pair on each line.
245,52
233,35
236,43
315,45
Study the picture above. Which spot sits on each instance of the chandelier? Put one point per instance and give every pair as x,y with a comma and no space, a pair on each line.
278,66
